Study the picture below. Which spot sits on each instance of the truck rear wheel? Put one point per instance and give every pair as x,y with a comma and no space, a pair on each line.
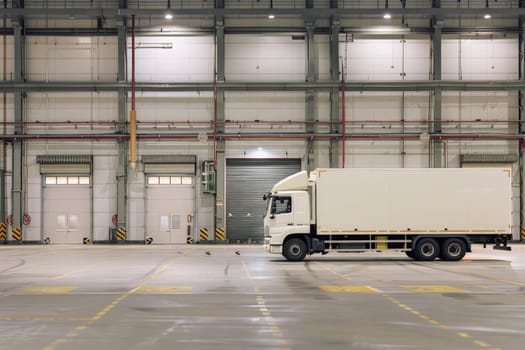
294,249
410,254
453,249
427,249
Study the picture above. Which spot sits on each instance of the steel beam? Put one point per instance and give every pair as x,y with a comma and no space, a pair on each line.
122,170
335,99
196,31
362,86
437,144
311,13
219,142
17,189
521,117
310,100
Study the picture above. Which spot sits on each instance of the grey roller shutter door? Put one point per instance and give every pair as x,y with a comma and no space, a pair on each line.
246,182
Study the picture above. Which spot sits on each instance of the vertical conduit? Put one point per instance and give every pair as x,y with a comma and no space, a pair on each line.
4,76
403,75
215,105
132,116
343,114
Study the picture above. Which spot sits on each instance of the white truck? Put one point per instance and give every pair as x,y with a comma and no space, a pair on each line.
426,213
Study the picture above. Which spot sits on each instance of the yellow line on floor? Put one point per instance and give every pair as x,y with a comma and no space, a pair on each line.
425,318
345,277
68,336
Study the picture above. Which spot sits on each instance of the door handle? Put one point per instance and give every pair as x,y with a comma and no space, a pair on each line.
290,224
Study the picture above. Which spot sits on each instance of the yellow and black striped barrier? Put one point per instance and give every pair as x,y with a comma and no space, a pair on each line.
121,234
16,234
189,240
219,234
86,240
523,233
3,231
203,234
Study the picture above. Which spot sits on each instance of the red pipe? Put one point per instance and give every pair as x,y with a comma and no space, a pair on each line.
215,109
133,62
343,114
256,122
258,137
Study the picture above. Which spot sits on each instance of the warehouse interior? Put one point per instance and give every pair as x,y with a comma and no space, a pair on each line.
111,108
139,137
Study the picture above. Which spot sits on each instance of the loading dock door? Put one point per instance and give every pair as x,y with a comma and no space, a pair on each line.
67,210
170,207
246,182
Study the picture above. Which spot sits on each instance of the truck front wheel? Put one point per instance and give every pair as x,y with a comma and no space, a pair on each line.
294,249
453,249
427,249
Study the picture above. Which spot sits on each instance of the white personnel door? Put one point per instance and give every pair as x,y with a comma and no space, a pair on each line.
170,210
66,213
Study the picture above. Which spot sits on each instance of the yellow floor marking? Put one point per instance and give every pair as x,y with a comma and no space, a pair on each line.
433,289
481,343
347,289
464,335
335,273
47,290
45,318
163,289
512,282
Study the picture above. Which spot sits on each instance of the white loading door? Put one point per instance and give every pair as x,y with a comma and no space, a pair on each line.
66,213
169,211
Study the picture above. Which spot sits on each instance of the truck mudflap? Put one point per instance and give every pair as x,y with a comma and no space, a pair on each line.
501,243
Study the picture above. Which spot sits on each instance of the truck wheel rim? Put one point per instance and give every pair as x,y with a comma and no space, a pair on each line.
295,250
427,249
454,249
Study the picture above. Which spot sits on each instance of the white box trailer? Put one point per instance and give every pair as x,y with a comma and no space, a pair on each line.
426,213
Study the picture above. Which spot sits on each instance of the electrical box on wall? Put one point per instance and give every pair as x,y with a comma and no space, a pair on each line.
208,177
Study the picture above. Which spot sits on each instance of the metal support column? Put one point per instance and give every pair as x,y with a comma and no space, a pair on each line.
437,143
335,115
521,118
3,146
220,145
122,170
310,100
17,189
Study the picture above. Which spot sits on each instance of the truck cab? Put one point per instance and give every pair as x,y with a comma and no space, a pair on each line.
287,214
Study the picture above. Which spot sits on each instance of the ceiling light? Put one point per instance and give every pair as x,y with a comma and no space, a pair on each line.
487,16
271,16
168,16
387,16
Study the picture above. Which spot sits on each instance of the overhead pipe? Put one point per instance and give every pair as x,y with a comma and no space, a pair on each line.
262,136
210,123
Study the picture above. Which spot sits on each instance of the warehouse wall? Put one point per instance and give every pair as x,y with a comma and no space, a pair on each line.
262,58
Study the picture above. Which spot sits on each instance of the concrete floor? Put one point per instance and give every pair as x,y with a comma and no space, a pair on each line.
178,297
